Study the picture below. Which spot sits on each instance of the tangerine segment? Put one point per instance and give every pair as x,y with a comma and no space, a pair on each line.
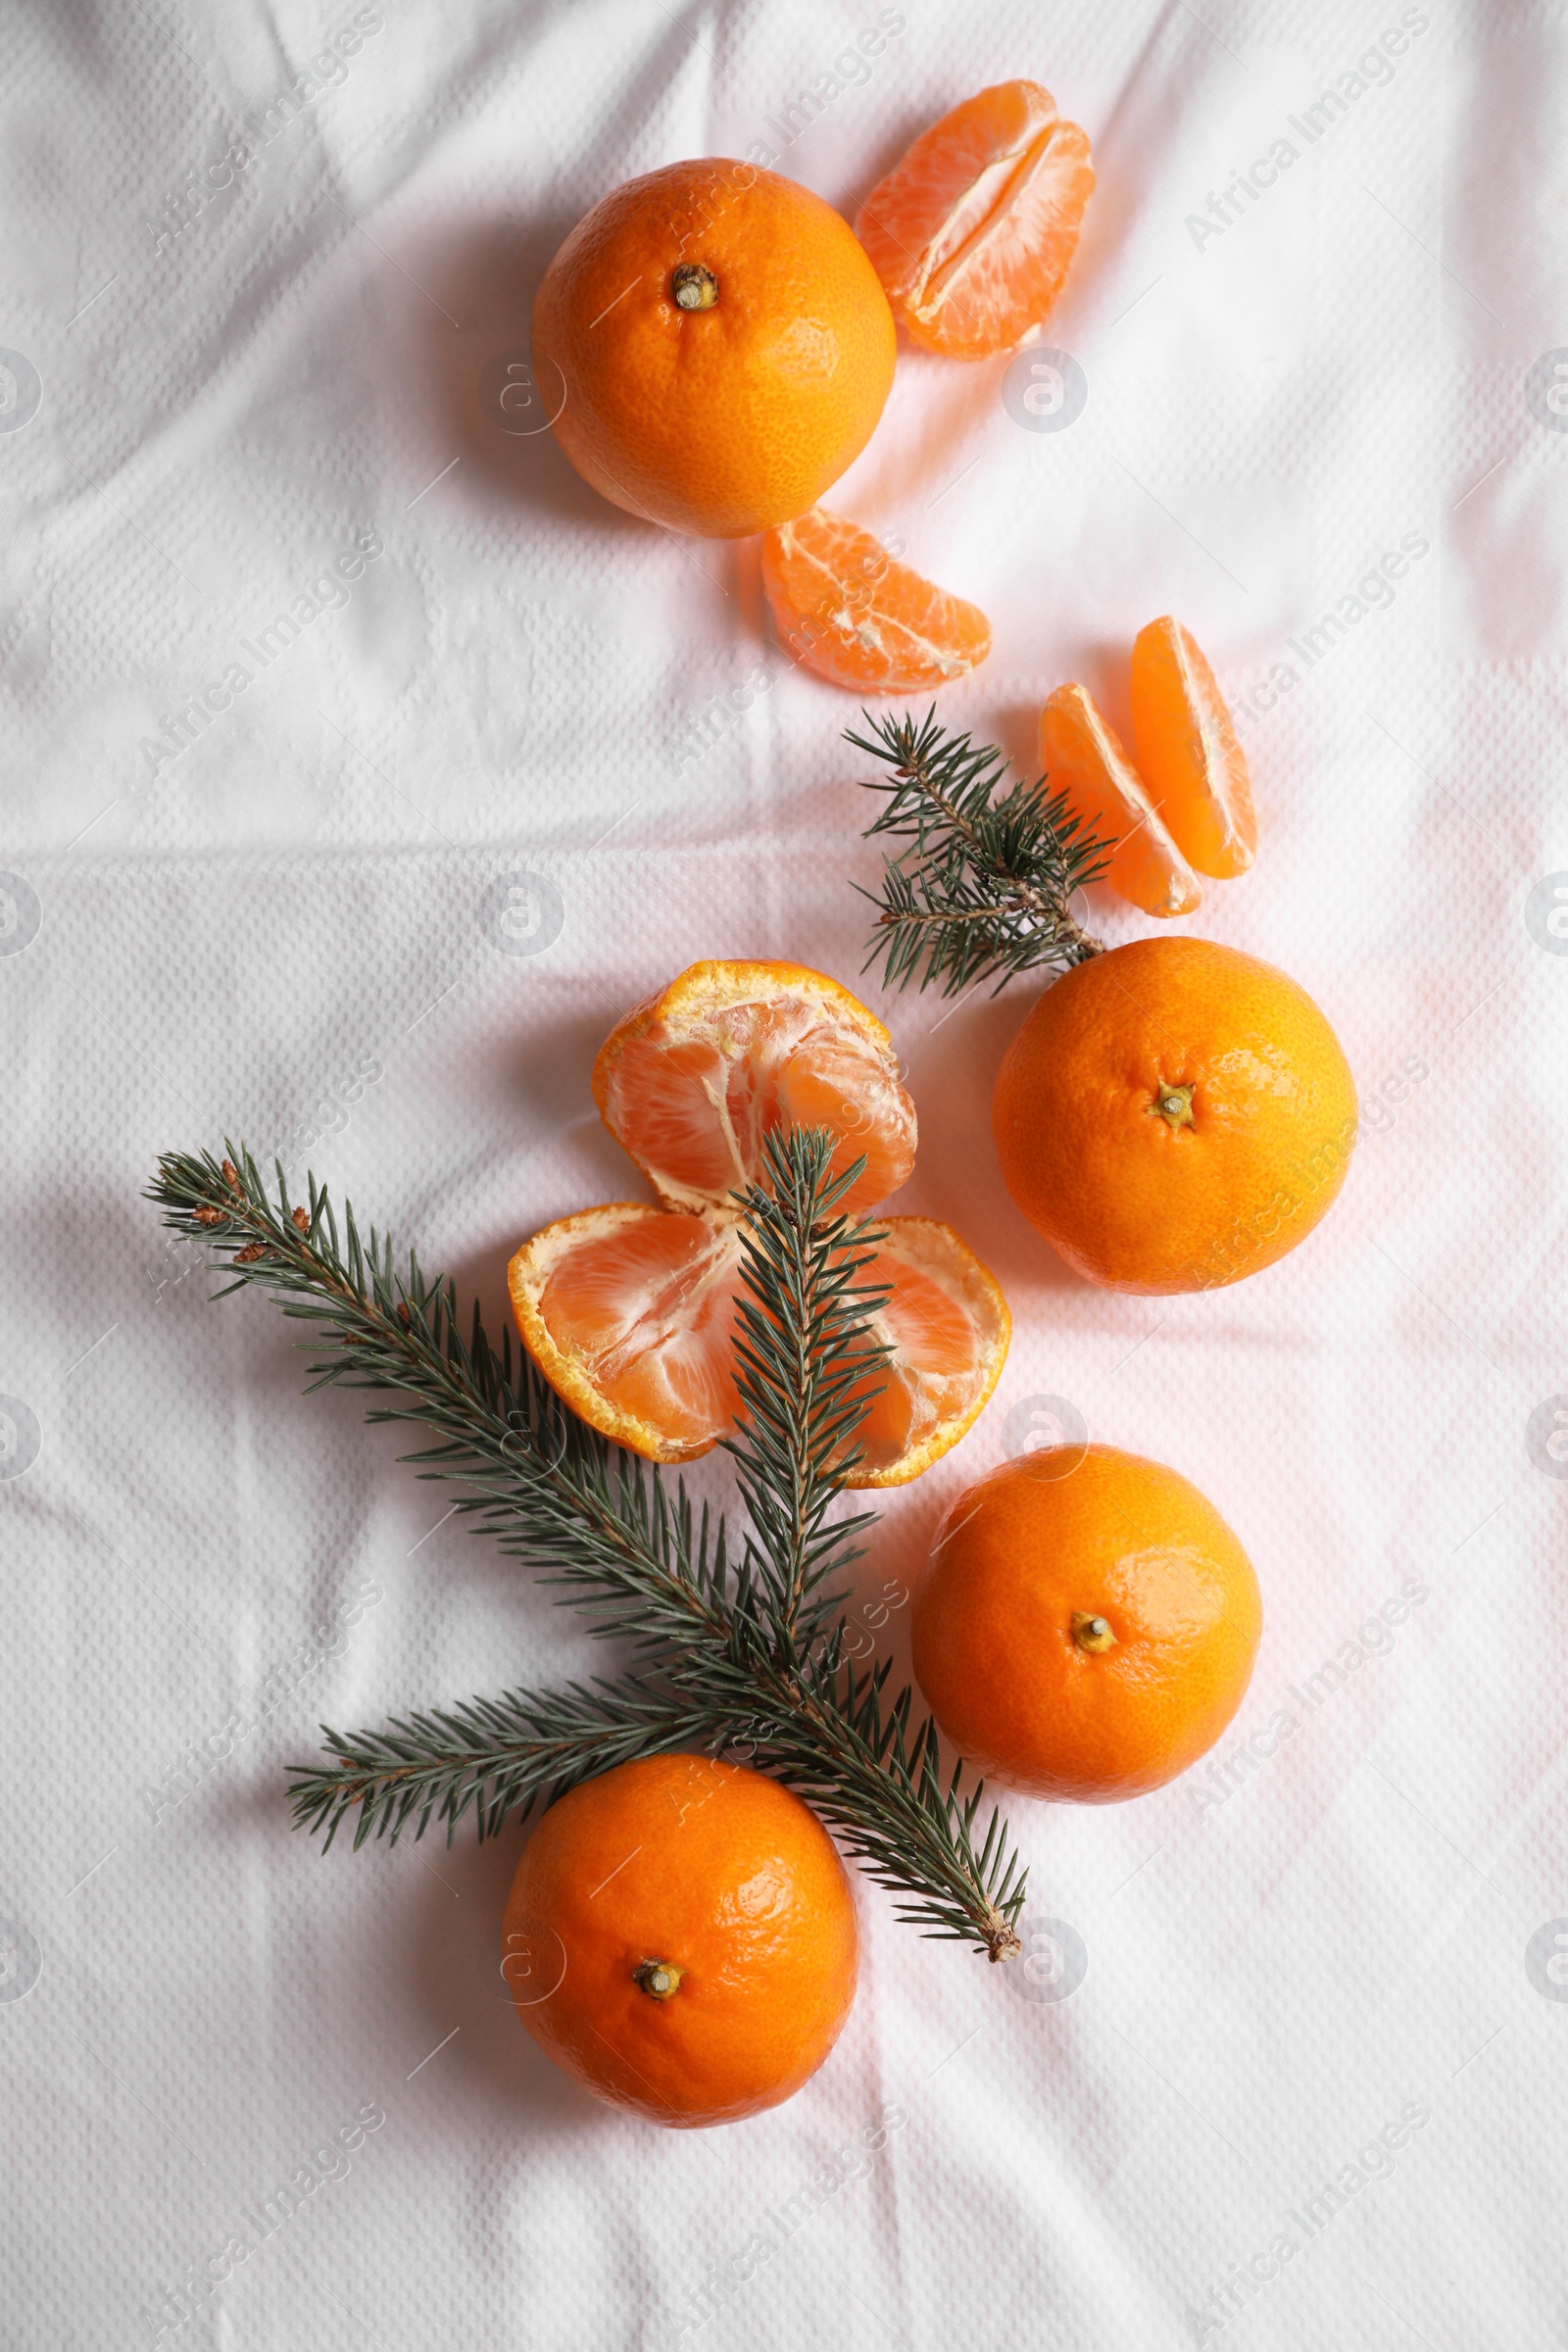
843,607
1081,754
948,1324
974,229
694,1079
729,1887
1188,754
629,1314
718,344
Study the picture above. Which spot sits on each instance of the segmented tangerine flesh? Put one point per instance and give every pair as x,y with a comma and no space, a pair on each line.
949,1327
1082,755
692,1081
1187,754
974,228
845,608
629,1309
629,1312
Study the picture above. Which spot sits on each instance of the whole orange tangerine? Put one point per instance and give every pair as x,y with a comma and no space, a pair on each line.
719,346
1174,1115
681,1937
1088,1627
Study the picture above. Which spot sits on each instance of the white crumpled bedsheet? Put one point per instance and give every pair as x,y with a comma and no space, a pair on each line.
1286,2070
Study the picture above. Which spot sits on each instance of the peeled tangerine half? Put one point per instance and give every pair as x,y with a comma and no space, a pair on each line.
1082,755
628,1309
974,229
843,607
1187,754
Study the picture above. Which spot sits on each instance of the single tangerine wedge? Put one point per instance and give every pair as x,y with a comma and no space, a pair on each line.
845,608
1188,754
1082,755
974,228
948,1324
629,1309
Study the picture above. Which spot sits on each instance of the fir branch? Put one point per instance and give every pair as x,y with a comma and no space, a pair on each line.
983,882
835,1738
807,1361
548,1487
494,1757
735,1655
882,1789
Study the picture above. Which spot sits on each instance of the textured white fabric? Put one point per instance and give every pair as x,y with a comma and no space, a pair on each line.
301,928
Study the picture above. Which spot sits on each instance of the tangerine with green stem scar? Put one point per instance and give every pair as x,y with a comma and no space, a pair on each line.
724,347
708,1937
1088,1627
1173,1114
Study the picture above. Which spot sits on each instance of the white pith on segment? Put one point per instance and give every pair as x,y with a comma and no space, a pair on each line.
987,202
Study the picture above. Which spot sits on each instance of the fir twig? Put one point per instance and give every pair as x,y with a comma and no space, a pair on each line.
544,1485
807,1361
734,1655
494,1757
983,881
